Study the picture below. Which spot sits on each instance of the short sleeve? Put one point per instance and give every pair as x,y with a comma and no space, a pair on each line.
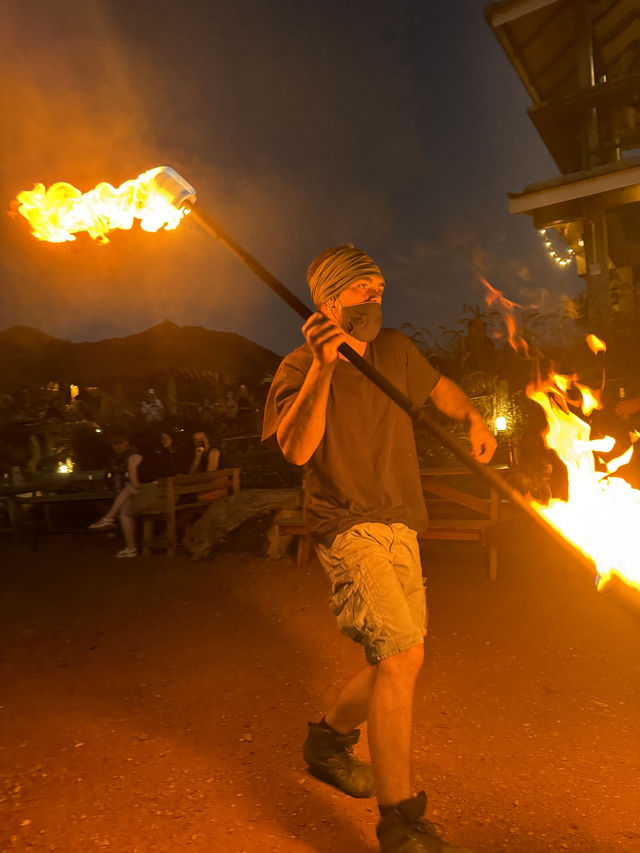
422,376
284,390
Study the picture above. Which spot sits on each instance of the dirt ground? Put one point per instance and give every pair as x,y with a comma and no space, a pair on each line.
160,704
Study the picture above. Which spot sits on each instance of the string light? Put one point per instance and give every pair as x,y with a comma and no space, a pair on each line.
551,252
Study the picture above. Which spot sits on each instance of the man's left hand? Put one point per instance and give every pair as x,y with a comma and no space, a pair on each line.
483,442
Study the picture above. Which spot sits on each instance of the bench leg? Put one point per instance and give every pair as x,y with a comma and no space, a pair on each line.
302,557
147,535
493,563
172,535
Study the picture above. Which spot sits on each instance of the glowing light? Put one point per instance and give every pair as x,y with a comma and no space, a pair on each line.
58,213
602,514
551,252
501,424
595,344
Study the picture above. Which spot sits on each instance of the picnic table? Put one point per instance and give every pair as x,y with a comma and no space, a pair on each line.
32,504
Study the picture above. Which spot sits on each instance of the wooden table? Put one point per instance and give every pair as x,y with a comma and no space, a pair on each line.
70,491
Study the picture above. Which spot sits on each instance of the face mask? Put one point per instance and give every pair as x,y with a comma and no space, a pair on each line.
362,321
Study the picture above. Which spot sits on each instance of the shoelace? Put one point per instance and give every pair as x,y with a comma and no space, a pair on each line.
429,828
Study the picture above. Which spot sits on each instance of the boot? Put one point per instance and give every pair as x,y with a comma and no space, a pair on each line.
330,757
402,829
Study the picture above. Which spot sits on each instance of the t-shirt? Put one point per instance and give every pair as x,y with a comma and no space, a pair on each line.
366,465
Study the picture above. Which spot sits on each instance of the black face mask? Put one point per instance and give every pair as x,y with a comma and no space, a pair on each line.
363,322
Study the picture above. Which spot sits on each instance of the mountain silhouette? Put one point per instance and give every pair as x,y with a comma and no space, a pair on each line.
31,357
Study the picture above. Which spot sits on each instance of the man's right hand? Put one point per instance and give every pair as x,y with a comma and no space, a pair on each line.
626,408
324,337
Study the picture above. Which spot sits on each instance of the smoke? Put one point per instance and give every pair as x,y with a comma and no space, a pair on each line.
302,125
98,95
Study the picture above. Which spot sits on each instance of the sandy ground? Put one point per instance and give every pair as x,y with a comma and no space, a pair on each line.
160,705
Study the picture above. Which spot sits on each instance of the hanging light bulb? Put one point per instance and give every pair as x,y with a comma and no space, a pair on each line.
551,252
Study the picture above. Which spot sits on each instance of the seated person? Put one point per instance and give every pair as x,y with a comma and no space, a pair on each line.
205,457
164,458
134,496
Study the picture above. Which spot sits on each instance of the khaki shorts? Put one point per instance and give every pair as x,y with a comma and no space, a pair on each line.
377,589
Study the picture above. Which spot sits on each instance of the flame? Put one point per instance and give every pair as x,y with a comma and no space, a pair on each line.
602,514
505,307
58,213
595,344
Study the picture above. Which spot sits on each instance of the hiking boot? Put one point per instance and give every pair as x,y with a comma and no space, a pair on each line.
402,829
330,757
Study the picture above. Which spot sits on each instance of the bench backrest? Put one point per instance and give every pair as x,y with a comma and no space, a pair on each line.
226,480
431,479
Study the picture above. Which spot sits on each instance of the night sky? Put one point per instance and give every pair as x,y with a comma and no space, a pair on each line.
398,126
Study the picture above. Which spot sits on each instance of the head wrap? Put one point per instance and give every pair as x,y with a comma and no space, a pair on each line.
334,270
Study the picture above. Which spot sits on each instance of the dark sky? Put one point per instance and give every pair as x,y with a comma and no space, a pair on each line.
398,126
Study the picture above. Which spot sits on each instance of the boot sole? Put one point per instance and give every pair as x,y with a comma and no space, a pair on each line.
326,777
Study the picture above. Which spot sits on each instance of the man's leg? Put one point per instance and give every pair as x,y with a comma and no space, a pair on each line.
389,724
351,707
328,749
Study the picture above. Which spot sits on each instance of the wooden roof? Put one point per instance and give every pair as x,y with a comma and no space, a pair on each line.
574,56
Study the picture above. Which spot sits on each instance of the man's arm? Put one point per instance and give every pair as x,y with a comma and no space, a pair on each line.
302,427
452,401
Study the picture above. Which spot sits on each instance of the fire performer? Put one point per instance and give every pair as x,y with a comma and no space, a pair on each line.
363,507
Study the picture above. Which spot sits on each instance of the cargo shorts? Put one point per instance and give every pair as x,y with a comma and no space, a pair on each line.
377,590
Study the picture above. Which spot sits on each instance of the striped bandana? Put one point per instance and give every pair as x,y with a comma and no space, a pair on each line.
339,271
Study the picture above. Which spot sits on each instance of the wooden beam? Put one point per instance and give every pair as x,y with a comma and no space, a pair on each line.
504,13
617,180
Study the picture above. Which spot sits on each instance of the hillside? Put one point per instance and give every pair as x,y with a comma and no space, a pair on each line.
31,357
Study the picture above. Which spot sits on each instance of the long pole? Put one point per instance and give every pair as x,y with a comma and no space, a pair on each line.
416,412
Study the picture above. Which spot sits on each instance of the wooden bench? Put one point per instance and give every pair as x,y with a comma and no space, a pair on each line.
484,514
179,494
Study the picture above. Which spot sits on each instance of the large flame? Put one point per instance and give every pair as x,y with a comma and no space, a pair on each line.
602,514
58,213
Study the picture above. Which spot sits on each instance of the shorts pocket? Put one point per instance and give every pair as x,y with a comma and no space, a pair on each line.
353,613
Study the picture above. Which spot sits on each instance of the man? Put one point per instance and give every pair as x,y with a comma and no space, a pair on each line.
363,507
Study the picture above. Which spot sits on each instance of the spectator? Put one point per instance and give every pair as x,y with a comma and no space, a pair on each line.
152,407
205,456
136,494
163,458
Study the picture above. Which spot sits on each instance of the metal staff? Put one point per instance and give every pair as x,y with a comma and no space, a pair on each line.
184,195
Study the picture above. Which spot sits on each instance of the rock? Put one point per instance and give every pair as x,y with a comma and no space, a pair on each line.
202,538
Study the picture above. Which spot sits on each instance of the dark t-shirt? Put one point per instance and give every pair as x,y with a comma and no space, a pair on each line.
366,465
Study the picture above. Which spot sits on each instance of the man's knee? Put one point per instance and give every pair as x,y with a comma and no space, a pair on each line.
403,663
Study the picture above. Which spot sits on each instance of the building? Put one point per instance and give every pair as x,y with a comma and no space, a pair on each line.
580,63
